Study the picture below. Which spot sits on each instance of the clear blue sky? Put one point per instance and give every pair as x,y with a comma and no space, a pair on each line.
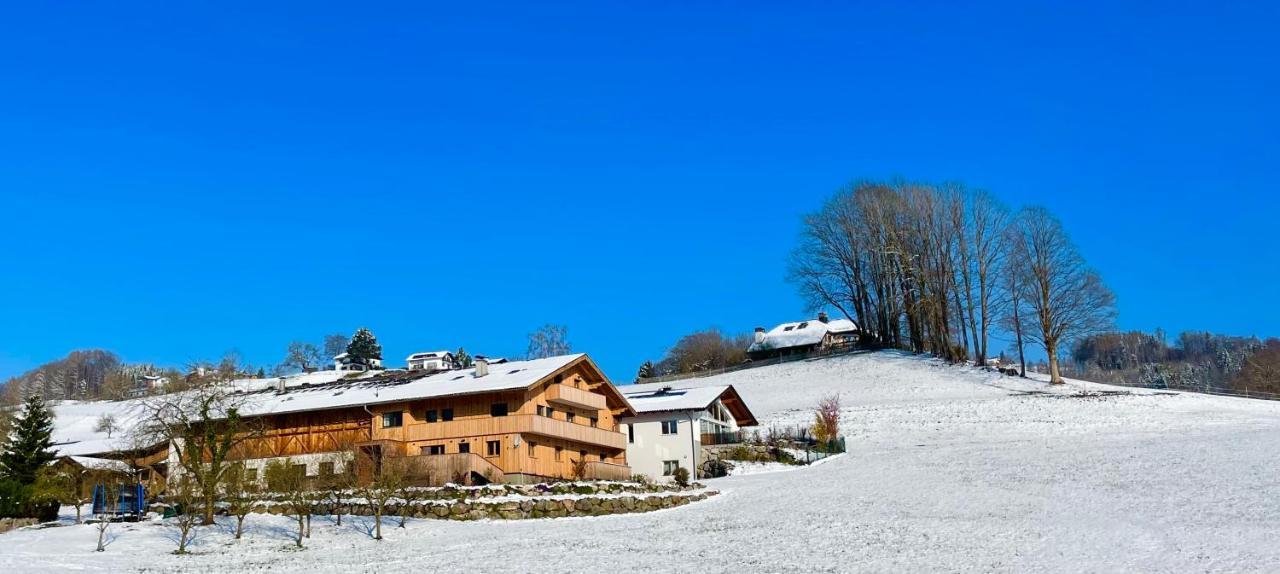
179,181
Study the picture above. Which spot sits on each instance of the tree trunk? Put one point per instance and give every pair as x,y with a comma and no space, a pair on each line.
239,526
377,524
300,530
1055,377
102,535
78,514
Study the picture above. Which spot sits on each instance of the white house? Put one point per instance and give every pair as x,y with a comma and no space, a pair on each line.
431,361
803,337
671,425
344,362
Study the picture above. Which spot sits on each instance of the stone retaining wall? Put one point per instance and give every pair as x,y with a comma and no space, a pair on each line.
532,507
7,524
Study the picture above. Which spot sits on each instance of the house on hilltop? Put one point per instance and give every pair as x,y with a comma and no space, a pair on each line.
803,337
431,361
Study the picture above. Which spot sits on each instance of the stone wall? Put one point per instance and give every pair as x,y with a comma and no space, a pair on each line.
515,502
7,524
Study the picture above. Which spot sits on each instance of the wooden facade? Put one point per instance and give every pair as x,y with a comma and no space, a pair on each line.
518,435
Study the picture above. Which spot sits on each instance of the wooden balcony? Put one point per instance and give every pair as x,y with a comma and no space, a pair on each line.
575,398
600,470
516,424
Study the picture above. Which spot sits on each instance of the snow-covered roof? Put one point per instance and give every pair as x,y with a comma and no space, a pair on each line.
74,421
648,399
400,386
428,355
802,333
102,463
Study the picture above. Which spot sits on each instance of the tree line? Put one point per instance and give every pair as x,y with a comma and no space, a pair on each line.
1196,360
937,268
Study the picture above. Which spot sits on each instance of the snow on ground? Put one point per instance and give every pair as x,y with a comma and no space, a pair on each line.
949,469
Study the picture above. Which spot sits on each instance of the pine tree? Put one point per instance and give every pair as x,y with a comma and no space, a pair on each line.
364,347
462,359
646,370
27,450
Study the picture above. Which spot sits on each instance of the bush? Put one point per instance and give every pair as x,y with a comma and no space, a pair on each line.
716,468
15,499
681,476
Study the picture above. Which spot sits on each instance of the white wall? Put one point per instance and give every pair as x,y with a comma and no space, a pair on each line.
651,447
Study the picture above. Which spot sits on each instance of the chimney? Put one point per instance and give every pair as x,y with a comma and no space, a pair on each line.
759,334
822,316
482,367
280,387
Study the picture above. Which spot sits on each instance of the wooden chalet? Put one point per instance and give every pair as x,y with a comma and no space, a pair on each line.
519,421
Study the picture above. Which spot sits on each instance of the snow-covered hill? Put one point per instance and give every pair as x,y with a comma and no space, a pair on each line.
949,469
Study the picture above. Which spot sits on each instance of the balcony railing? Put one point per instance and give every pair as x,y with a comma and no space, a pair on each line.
601,470
574,397
515,424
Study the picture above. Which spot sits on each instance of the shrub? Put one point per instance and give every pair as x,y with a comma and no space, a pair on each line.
681,476
15,499
716,468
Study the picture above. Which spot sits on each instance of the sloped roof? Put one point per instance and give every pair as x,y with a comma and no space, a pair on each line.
108,464
662,399
428,355
74,421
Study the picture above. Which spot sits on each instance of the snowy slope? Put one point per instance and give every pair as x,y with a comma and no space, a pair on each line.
950,469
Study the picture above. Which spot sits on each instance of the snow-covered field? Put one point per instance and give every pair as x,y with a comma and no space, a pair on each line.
949,469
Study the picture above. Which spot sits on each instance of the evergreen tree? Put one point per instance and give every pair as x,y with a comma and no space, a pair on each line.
364,347
646,370
27,450
462,359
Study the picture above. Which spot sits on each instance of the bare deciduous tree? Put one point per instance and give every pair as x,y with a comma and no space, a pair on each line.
202,426
389,477
826,424
241,493
183,495
1067,299
301,356
106,424
289,482
549,341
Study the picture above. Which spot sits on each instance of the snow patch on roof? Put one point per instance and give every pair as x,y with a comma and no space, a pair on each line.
650,400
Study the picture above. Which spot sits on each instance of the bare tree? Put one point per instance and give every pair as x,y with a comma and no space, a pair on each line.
241,493
549,341
289,482
302,356
183,494
106,424
1067,299
104,514
389,478
202,427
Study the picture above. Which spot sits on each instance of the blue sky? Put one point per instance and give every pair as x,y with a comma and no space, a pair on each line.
180,181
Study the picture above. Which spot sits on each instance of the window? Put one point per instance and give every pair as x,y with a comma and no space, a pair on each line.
542,411
498,410
326,469
533,448
582,455
568,417
494,447
558,451
433,449
392,420
595,421
669,427
631,433
669,467
431,416
550,411
251,474
446,414
464,447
